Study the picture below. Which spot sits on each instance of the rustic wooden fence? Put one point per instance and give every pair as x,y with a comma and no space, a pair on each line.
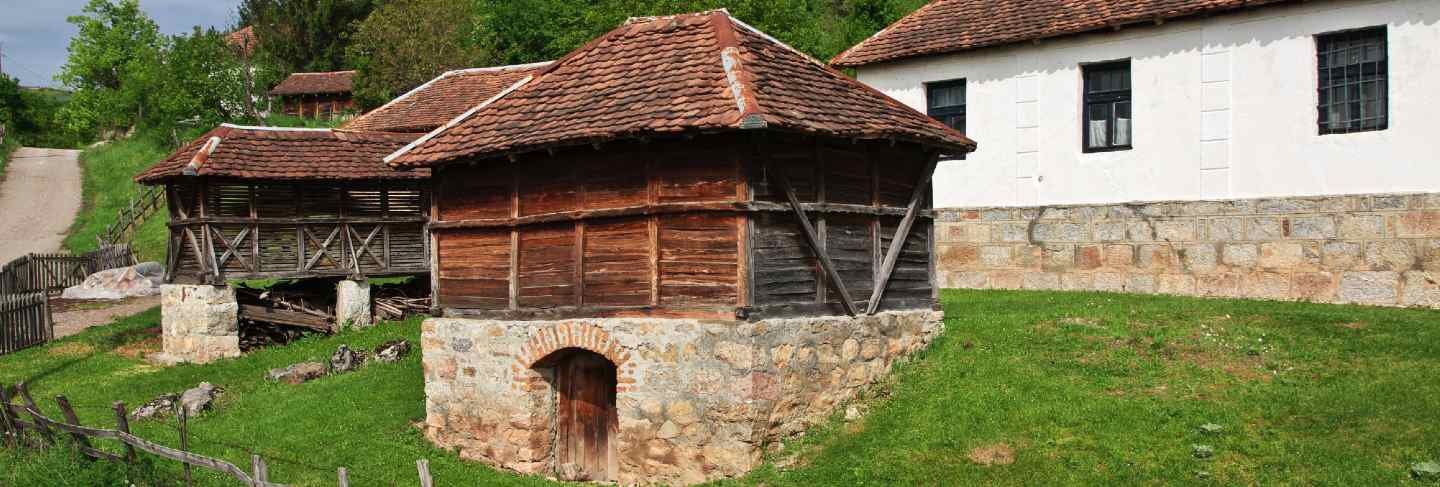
129,218
24,321
53,273
42,431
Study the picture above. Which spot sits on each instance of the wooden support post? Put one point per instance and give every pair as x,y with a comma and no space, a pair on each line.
897,241
260,472
122,424
35,415
423,466
344,476
815,244
70,417
184,415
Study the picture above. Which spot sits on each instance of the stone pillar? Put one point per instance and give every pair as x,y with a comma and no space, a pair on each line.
200,323
352,304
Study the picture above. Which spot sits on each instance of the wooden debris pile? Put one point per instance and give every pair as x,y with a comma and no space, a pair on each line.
396,301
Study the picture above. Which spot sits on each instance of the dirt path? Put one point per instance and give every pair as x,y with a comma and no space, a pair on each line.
75,317
38,200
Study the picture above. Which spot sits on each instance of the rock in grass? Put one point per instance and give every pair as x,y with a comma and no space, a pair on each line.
346,360
1425,471
1211,429
1202,451
298,373
196,400
157,408
392,351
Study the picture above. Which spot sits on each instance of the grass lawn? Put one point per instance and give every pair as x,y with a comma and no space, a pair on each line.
108,185
1081,388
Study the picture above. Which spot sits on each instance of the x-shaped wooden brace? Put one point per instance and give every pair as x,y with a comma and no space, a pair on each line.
364,248
232,248
323,249
897,242
814,241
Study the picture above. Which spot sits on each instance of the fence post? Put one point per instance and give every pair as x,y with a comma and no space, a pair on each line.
184,438
34,410
261,471
423,466
344,477
122,423
73,419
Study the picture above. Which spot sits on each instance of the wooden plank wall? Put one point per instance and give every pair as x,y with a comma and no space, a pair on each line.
576,231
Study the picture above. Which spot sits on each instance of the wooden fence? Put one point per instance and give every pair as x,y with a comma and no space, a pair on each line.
53,273
24,321
129,218
43,432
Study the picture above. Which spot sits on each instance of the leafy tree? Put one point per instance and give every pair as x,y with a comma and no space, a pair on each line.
405,43
202,84
114,65
304,35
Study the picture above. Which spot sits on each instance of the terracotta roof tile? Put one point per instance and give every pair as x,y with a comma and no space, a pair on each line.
943,26
438,101
242,40
703,72
315,83
286,154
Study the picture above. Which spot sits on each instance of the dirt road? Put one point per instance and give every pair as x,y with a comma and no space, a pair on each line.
38,201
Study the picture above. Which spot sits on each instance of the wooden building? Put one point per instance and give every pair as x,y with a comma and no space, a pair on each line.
440,100
316,95
263,202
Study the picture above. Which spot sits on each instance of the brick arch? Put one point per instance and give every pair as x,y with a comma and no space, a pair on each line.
584,336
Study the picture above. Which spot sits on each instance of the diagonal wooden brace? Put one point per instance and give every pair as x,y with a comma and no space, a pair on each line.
814,241
902,233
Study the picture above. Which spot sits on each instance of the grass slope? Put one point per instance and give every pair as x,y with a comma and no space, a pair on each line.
1085,388
108,185
6,149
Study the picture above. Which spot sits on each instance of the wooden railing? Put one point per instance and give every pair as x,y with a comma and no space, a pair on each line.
53,273
129,218
24,321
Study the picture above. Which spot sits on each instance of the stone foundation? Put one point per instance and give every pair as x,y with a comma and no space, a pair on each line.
200,323
1363,249
696,400
352,304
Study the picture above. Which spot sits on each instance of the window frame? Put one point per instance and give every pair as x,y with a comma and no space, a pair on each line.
1112,97
1322,124
962,110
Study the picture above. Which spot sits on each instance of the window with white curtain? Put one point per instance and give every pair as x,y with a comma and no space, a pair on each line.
1107,122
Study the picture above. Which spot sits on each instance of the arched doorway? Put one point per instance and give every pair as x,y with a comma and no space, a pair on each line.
585,418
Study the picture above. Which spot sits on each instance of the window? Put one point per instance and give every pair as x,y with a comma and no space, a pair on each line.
1352,71
1107,106
945,101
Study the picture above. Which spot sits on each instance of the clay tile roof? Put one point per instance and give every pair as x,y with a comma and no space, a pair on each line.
284,153
943,26
242,40
704,72
441,99
315,83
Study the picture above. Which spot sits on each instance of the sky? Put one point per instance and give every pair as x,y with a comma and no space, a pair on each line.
34,34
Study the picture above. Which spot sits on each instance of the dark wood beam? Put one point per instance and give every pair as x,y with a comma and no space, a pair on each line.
814,242
902,233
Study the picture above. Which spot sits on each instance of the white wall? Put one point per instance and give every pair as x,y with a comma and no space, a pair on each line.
1224,107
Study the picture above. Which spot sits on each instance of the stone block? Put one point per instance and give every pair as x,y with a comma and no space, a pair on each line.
1312,227
962,279
1265,285
1177,284
352,304
1119,256
1141,284
1028,257
1042,280
1319,287
1377,288
1389,255
1199,257
1362,226
1140,231
1390,202
1058,257
1286,205
1011,232
1109,231
1421,288
1120,212
1225,229
1341,255
995,256
1202,208
199,323
1057,213
1263,228
1429,254
964,232
1060,232
1077,281
1007,280
1218,285
1157,257
1289,255
1176,230
1109,281
957,256
1418,224
997,214
1088,257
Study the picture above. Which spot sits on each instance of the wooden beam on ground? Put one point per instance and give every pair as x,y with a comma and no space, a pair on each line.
284,317
902,233
814,242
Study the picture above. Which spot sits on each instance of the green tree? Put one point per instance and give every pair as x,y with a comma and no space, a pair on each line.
405,43
304,35
202,83
113,66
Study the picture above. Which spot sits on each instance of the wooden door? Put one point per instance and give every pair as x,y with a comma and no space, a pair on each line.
586,413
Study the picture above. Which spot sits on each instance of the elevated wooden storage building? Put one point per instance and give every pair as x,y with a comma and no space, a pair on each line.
686,166
264,202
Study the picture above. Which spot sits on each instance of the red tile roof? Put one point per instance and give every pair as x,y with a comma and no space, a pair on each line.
703,72
284,153
943,26
315,83
242,40
441,99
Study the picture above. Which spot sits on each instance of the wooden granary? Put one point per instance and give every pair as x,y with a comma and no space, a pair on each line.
662,252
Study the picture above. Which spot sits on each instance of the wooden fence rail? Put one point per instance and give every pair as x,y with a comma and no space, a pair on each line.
129,218
53,273
24,321
45,430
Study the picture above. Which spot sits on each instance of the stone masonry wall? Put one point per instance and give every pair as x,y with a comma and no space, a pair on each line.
1363,249
696,399
199,324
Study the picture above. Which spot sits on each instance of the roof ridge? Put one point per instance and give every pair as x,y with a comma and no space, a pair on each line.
887,28
316,73
456,121
276,129
489,69
737,76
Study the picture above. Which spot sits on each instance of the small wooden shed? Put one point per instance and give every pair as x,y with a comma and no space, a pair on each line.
316,95
267,202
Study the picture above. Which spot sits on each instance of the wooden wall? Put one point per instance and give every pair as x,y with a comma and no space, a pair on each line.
682,227
324,107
